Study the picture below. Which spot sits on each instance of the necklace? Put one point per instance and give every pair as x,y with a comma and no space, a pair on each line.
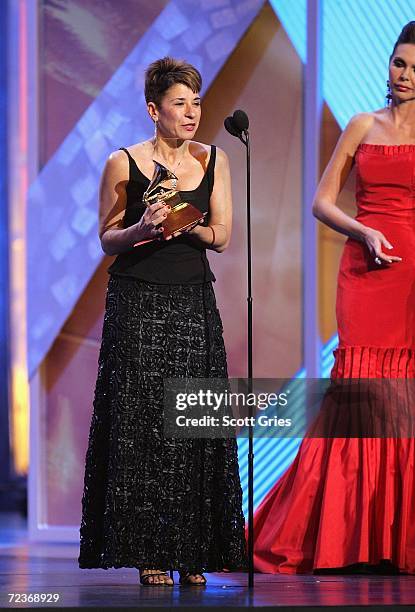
174,178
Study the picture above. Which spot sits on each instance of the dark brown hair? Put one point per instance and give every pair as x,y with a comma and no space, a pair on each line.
164,73
407,36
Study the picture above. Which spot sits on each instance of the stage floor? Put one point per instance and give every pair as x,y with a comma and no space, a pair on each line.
52,568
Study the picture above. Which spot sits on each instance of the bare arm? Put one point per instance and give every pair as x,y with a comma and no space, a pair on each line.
332,182
217,234
112,203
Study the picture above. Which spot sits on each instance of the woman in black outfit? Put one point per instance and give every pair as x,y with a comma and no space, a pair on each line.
152,502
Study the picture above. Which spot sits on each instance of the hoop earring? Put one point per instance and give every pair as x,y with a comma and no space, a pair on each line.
388,94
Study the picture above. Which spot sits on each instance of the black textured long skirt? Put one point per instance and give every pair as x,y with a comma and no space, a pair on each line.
151,501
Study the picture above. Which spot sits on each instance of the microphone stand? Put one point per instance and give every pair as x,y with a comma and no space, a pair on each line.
237,125
250,370
244,137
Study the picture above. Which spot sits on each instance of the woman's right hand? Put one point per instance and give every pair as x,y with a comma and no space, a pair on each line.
375,241
154,215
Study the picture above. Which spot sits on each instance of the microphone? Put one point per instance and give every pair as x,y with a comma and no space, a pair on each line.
229,127
240,120
237,124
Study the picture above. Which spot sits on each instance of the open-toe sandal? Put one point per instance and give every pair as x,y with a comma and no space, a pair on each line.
145,579
186,579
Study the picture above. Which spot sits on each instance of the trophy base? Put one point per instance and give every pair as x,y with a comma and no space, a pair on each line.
181,216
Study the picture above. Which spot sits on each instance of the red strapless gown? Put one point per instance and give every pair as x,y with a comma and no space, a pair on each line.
347,501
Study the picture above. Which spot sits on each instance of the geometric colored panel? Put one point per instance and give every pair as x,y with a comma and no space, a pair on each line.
358,38
81,42
63,249
293,16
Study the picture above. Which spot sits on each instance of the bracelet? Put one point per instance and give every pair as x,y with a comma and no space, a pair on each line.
213,236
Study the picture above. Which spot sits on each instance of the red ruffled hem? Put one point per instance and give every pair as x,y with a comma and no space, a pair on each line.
373,362
344,500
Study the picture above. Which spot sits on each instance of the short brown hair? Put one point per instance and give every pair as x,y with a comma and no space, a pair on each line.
164,73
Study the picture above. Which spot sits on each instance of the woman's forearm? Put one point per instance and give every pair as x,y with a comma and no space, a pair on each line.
115,241
213,236
332,216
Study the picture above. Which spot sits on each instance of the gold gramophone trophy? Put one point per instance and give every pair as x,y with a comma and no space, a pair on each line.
163,188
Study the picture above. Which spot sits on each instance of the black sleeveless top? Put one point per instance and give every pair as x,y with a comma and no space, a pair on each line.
173,262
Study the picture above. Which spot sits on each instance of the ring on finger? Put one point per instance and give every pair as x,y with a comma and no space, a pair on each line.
378,261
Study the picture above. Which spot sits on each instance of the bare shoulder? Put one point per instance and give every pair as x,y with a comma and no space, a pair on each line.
222,157
360,124
222,167
354,133
381,118
199,147
117,159
141,150
116,165
199,150
204,150
381,112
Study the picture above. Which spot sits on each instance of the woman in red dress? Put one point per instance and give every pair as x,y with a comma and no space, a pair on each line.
350,502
